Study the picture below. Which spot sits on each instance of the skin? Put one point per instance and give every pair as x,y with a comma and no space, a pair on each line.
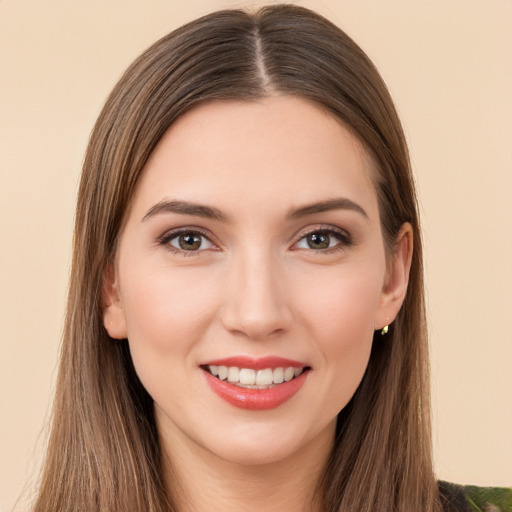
254,287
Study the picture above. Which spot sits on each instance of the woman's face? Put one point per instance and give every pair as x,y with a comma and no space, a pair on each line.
250,278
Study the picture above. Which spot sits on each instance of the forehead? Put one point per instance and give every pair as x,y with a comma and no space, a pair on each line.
277,151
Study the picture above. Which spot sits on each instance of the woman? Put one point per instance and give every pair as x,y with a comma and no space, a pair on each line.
245,320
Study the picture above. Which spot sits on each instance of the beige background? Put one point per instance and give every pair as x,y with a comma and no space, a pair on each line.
448,64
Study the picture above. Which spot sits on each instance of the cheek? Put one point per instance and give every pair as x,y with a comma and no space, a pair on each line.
340,316
341,307
167,314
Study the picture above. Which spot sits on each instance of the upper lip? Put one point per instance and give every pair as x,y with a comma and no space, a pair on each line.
255,363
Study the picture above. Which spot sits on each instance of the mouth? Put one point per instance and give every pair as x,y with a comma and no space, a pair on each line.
250,378
255,384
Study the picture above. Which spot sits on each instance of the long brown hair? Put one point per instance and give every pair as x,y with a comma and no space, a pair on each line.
103,451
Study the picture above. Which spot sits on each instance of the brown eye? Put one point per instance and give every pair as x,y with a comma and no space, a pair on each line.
323,239
189,241
318,240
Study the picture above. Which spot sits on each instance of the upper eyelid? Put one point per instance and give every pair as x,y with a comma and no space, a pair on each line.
321,227
171,233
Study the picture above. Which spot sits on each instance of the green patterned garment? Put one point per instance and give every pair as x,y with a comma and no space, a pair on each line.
471,498
488,499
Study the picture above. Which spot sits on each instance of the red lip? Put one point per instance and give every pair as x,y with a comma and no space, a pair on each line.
260,363
255,399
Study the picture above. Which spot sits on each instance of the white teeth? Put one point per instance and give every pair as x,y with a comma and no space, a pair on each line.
247,376
256,379
264,377
278,375
289,373
233,374
223,372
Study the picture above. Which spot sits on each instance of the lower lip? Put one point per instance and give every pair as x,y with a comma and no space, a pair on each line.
255,399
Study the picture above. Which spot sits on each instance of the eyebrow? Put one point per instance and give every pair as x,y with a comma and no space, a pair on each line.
185,208
341,203
210,212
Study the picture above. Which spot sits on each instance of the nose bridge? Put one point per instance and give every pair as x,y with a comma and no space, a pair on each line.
255,301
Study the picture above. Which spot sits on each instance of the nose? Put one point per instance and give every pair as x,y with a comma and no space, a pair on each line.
256,304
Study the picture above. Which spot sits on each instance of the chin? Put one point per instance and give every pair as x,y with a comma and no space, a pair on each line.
253,453
264,443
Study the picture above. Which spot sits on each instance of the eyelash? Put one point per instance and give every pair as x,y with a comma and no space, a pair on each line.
344,240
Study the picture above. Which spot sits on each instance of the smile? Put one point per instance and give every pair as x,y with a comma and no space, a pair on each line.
254,379
255,384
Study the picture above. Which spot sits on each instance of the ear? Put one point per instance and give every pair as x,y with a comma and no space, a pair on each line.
397,278
113,313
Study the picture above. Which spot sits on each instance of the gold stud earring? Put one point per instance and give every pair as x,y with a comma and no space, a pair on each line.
384,330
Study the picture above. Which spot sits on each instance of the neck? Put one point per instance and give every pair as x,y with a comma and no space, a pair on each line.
200,481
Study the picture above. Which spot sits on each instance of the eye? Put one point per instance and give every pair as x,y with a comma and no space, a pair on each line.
189,241
321,240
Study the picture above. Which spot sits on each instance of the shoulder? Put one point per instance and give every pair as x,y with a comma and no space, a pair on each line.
471,498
